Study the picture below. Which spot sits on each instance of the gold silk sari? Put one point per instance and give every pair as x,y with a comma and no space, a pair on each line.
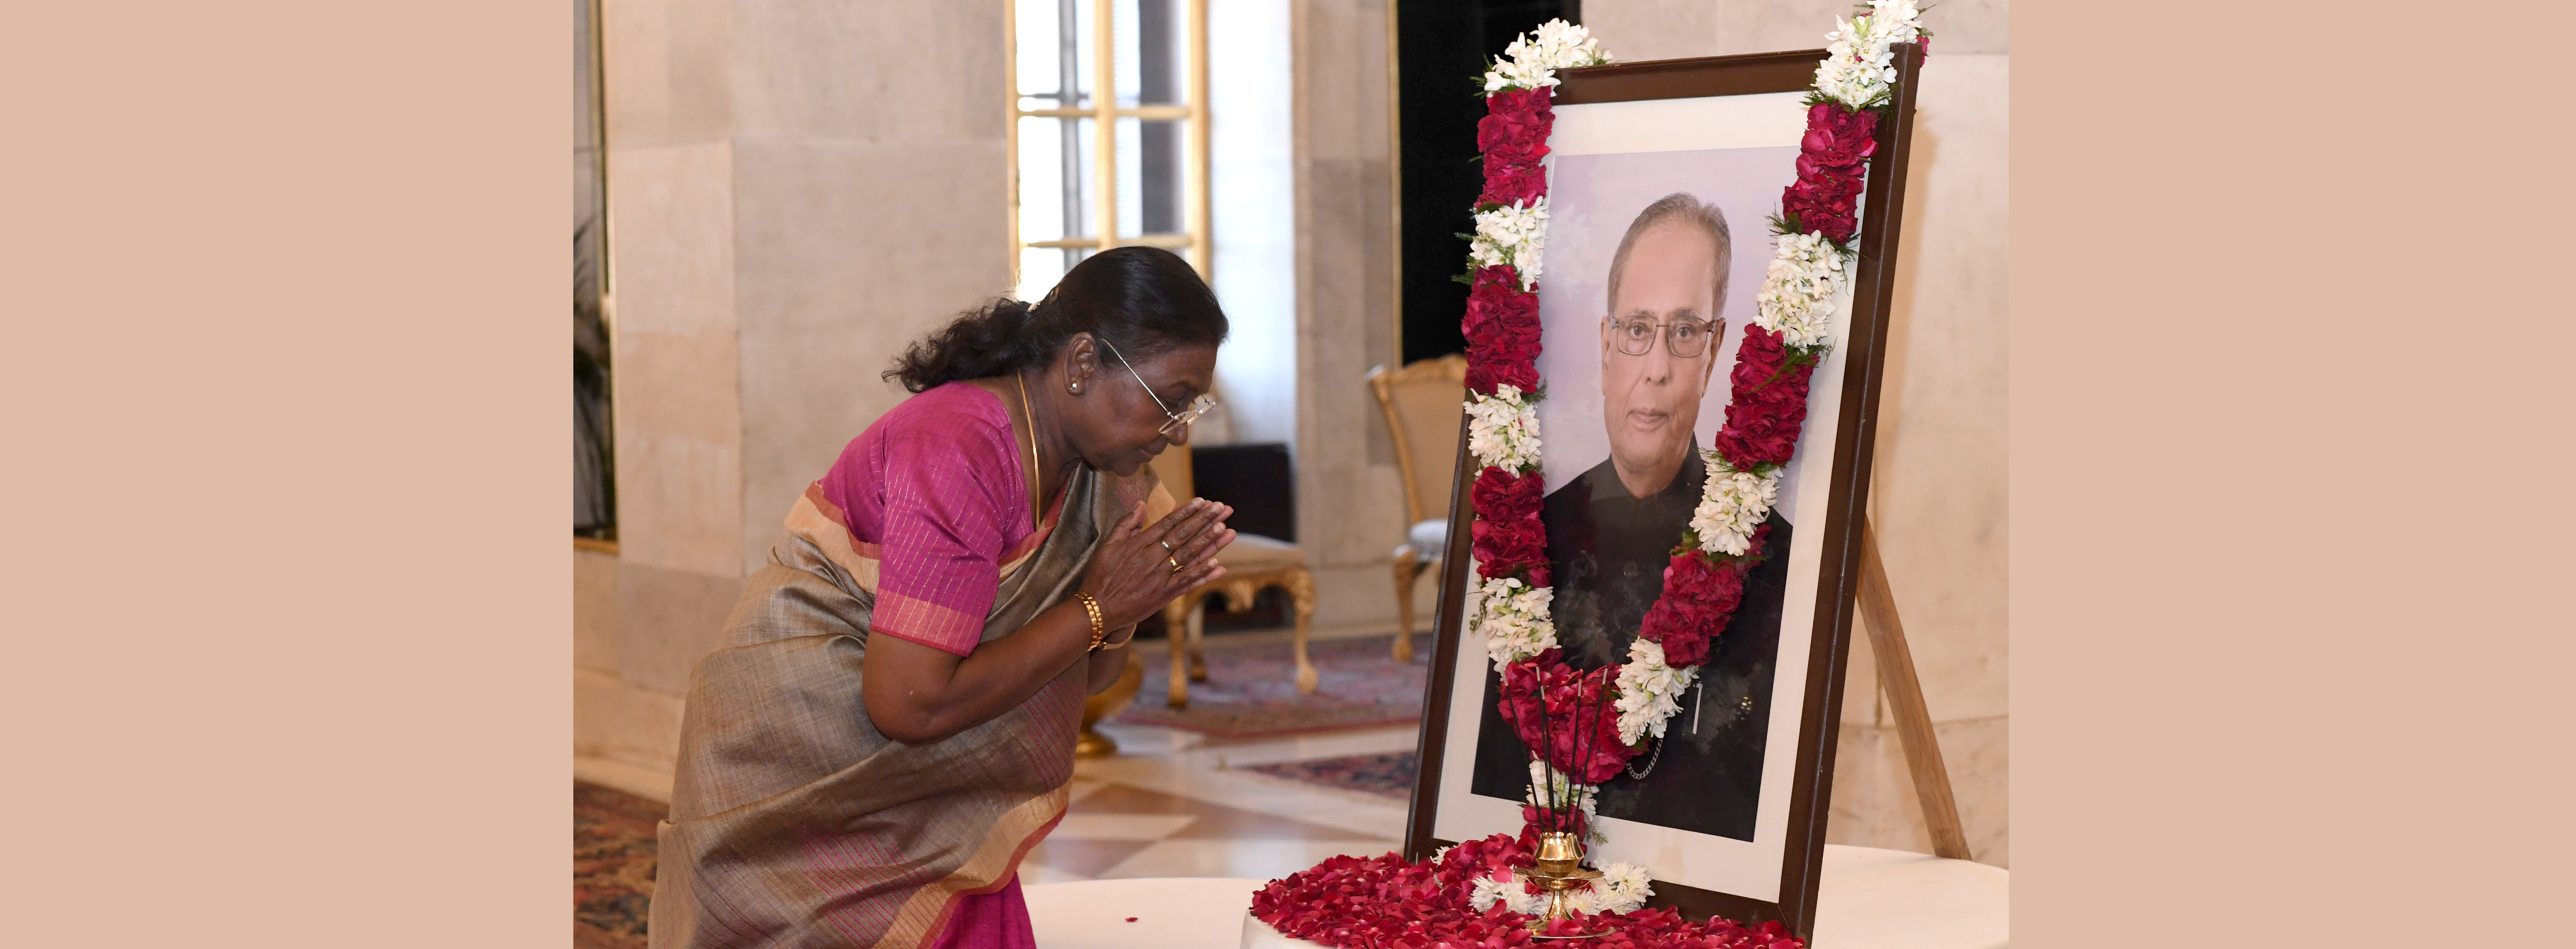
794,823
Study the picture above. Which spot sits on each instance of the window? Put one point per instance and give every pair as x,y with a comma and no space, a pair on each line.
1066,201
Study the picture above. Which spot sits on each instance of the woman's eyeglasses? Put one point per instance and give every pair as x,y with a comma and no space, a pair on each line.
1686,337
1197,407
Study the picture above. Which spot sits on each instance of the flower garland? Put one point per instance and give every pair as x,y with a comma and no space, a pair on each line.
1790,334
1471,894
1704,581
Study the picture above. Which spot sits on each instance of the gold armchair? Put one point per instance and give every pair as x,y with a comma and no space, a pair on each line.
1251,563
1422,403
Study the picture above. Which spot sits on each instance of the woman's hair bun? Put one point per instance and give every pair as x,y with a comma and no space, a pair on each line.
1144,300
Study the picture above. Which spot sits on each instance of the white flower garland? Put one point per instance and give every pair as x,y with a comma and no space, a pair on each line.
1731,505
1531,63
1800,287
1858,67
1512,616
1502,429
1512,236
1649,691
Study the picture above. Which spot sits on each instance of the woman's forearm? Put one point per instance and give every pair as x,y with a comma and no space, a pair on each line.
1107,663
917,695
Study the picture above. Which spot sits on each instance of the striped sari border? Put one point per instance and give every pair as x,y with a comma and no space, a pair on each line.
988,869
927,623
822,523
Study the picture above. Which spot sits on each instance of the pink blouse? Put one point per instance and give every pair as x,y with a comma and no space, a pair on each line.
934,491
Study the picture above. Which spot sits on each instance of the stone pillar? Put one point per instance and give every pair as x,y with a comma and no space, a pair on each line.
796,190
870,207
678,419
1350,508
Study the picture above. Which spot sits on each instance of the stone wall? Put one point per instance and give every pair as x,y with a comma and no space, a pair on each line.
796,190
1938,486
1351,512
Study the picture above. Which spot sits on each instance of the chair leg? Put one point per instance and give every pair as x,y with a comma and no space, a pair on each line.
1408,565
1301,593
1176,627
1198,642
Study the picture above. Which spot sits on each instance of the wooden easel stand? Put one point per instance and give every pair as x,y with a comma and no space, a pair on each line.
1905,702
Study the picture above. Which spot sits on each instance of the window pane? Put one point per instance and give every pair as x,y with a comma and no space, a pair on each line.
1040,268
1056,165
1155,53
1157,180
1055,60
1131,184
1123,21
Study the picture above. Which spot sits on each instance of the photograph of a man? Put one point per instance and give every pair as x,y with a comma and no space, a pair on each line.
1612,529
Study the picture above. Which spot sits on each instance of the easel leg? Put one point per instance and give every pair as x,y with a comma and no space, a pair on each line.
1905,702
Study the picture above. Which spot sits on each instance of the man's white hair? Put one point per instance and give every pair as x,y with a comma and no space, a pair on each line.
1682,208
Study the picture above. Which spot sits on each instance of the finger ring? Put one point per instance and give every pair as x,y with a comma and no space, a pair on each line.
1176,564
1167,545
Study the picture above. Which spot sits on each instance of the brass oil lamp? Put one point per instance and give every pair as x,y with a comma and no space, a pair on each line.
1560,869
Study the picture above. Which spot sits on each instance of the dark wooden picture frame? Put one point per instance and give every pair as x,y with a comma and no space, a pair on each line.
1847,484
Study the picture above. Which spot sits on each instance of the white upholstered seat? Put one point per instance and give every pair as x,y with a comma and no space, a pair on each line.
1430,537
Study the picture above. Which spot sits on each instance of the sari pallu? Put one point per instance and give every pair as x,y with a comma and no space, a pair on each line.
794,823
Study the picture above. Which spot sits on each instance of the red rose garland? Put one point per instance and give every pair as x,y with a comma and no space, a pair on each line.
1502,331
1546,689
1826,199
1513,542
1700,595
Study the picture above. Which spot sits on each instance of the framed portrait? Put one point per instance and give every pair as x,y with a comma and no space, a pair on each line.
1663,179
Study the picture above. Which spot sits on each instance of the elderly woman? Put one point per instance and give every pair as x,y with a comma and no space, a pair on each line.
890,724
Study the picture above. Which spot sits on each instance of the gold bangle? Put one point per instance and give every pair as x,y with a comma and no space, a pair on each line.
1099,629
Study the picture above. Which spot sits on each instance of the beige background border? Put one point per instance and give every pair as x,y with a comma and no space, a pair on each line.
2289,477
286,603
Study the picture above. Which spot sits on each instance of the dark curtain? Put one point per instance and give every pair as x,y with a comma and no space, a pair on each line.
1442,46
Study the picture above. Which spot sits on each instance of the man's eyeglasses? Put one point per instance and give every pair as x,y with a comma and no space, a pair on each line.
1197,407
1686,337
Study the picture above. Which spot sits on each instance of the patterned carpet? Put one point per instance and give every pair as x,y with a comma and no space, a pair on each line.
1251,691
1388,775
612,866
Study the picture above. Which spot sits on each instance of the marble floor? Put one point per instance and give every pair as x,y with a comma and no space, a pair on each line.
1173,803
1178,803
